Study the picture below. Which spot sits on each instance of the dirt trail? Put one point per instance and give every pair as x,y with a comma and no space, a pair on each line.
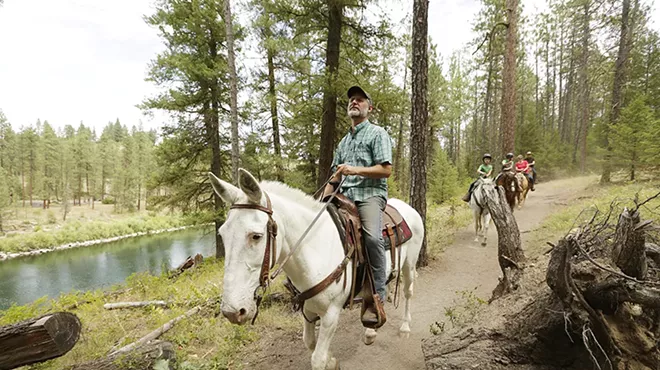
463,266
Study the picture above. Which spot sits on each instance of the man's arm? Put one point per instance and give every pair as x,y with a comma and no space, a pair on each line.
379,171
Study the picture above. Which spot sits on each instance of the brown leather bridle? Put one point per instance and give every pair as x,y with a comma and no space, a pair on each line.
270,255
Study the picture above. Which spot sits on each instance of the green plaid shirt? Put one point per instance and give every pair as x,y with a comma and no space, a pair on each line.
366,146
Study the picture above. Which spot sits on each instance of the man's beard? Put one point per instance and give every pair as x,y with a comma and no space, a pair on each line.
357,113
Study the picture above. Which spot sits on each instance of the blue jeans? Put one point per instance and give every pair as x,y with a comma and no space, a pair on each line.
370,211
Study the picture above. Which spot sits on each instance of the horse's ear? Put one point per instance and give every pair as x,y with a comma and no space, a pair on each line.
228,192
249,185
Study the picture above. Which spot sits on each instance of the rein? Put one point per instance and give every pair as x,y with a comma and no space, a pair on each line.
270,254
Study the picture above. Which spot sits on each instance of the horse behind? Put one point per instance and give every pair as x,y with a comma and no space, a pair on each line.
480,210
524,185
258,209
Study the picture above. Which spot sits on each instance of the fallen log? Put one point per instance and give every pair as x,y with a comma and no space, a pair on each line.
141,358
119,305
156,333
38,339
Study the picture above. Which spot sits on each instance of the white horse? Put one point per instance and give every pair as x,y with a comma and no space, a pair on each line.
480,211
244,234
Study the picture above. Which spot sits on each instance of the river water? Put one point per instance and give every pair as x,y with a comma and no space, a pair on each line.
23,280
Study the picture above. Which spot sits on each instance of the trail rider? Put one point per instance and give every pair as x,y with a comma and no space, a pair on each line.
507,166
484,171
529,157
522,167
364,157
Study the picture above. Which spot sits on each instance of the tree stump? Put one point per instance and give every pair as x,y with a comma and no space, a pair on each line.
509,249
38,339
593,316
141,358
629,250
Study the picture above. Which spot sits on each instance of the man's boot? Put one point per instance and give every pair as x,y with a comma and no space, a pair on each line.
372,313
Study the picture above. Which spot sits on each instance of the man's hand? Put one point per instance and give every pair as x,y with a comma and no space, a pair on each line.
347,170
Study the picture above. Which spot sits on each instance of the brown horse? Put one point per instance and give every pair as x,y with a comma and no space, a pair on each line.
524,186
507,180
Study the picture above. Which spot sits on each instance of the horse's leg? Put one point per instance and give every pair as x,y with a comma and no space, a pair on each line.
408,285
484,228
477,222
322,358
309,330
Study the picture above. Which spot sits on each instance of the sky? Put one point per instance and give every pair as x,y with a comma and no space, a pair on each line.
72,61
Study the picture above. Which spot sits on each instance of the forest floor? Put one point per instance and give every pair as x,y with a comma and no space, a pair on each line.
447,291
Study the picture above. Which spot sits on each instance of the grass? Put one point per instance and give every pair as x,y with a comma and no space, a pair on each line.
202,341
594,198
443,222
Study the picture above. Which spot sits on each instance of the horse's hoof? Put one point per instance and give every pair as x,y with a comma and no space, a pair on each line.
404,334
369,336
333,364
483,244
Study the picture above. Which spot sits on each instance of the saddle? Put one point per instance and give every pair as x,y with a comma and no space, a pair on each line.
395,231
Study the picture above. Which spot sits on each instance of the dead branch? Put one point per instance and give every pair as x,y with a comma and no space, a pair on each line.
120,305
489,36
156,333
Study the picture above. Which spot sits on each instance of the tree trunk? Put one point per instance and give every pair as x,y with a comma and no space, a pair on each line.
23,186
487,103
509,79
139,197
328,126
38,339
273,112
398,166
617,89
584,88
565,122
233,83
419,116
142,358
509,250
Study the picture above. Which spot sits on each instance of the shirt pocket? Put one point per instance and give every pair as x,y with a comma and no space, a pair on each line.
362,154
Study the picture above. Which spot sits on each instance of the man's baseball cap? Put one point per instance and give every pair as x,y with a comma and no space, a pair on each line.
358,90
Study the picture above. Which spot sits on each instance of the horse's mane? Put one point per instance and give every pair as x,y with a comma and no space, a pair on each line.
292,194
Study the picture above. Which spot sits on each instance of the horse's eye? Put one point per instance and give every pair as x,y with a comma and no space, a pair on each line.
256,237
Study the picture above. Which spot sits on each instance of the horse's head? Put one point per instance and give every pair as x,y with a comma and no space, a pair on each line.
245,236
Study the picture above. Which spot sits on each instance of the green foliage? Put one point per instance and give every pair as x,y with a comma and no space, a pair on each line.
443,183
633,138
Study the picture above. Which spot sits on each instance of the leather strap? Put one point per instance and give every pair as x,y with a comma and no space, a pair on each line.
333,277
393,234
270,255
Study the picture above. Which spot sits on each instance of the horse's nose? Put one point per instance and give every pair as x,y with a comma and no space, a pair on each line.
235,316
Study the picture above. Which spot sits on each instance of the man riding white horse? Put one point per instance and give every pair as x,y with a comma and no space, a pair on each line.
364,156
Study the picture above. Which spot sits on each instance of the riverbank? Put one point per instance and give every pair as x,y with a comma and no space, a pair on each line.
36,231
6,256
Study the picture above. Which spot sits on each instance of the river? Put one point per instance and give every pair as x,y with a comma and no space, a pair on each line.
25,279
